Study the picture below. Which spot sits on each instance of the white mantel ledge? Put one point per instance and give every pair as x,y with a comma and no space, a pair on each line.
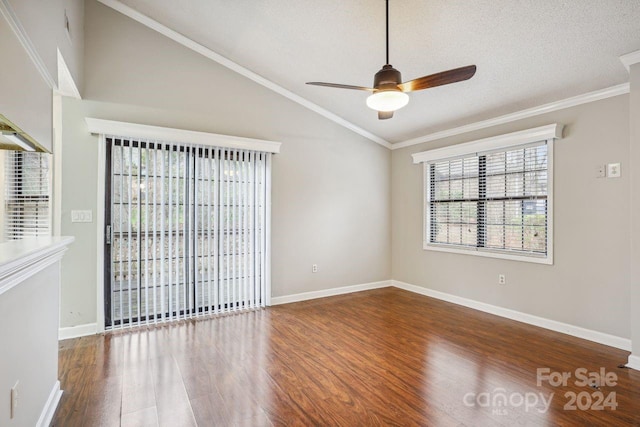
21,259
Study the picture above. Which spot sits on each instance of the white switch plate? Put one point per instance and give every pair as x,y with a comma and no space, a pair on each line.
613,170
81,216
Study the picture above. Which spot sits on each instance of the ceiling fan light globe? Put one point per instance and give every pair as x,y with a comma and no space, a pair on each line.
387,100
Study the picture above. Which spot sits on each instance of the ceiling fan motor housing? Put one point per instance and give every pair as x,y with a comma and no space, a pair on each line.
388,78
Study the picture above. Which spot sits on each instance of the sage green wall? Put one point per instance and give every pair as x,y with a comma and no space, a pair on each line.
330,187
588,285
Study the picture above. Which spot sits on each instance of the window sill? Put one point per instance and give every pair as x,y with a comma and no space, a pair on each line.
536,259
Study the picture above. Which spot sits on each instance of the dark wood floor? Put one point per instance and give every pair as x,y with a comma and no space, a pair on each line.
382,357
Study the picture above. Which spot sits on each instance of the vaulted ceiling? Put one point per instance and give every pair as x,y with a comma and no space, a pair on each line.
528,53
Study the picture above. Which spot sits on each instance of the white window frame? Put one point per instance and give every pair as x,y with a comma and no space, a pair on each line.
40,230
548,134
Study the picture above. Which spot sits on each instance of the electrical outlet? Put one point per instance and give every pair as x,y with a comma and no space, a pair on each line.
14,399
601,171
314,268
502,280
613,170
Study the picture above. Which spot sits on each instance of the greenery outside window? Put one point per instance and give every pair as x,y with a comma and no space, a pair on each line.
491,197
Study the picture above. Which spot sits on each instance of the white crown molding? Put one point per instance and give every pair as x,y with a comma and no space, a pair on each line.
553,325
49,409
134,130
597,95
202,50
542,133
286,299
66,84
630,58
12,19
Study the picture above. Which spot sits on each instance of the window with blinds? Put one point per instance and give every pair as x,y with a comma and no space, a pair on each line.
490,201
189,231
26,198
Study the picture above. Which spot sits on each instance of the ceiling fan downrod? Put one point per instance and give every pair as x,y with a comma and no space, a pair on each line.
387,14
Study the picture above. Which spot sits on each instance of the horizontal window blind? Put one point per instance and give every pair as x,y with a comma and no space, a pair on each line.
189,231
27,211
495,200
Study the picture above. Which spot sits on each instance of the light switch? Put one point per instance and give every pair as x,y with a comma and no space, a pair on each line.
81,216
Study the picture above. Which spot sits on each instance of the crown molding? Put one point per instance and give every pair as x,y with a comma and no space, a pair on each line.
14,23
205,51
519,115
629,59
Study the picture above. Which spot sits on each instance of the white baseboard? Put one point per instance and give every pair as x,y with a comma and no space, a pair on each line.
634,362
565,328
46,416
78,331
329,292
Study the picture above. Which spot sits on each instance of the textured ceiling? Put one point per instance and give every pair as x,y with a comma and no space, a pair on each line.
528,53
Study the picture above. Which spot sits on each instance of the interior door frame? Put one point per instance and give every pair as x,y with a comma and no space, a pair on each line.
101,128
100,230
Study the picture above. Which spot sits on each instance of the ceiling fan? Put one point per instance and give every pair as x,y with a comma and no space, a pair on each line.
390,94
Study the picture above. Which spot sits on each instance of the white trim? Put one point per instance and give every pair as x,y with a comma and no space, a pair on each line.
21,259
634,362
49,409
57,165
267,233
551,174
286,299
225,62
630,58
100,223
553,325
133,130
597,95
524,257
66,84
77,331
508,140
536,259
12,19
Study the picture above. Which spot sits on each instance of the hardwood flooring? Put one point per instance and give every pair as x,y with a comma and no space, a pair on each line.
381,357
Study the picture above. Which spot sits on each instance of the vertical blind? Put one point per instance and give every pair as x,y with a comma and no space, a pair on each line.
495,200
26,195
189,231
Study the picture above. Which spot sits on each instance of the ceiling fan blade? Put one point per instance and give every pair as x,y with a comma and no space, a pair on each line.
384,115
439,79
339,86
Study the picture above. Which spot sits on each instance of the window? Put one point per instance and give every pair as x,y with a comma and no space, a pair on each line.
26,195
492,197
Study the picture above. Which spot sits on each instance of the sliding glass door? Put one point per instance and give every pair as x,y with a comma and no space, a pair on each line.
187,231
